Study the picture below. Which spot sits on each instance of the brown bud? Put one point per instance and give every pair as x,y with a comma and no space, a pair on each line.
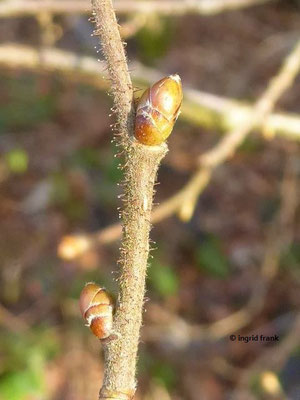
96,307
157,111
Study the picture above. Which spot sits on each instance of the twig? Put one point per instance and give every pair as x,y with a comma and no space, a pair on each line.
281,232
273,358
140,168
16,8
261,109
279,237
199,108
133,25
121,353
114,53
229,144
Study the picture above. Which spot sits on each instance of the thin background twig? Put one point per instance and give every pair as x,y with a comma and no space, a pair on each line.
15,8
199,108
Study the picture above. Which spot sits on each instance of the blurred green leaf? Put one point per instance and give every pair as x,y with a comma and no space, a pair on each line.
254,385
61,188
105,189
110,165
76,210
87,157
73,206
251,145
291,257
18,351
106,193
164,374
24,359
268,208
21,384
25,105
163,279
17,161
154,39
211,258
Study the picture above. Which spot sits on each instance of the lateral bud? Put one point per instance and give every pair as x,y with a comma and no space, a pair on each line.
96,306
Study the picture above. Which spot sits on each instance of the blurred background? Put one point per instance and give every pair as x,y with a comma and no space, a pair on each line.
228,266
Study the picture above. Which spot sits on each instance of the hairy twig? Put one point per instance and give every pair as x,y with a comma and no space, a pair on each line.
199,108
140,168
121,353
15,8
114,53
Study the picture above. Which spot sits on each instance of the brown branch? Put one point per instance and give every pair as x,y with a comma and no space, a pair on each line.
133,25
140,168
279,237
199,108
17,8
114,53
227,147
261,109
121,354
